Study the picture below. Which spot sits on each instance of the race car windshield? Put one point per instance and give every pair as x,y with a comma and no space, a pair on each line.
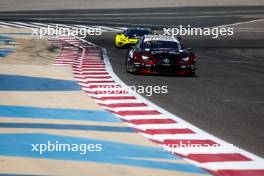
161,44
134,33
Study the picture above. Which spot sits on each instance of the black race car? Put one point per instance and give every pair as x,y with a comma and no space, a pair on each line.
158,54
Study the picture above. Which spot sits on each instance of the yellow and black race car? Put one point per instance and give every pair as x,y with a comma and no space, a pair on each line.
130,36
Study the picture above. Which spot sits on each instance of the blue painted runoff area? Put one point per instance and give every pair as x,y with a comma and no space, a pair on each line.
19,33
27,83
57,113
4,37
20,175
20,145
118,129
5,40
6,51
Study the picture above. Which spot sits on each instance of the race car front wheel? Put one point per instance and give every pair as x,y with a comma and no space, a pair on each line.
130,68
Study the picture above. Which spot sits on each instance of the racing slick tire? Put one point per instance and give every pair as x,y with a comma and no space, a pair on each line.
130,67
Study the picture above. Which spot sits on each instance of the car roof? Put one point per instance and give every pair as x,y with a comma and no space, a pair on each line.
160,38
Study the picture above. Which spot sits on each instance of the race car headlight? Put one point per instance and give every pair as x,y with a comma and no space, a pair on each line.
145,57
185,59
